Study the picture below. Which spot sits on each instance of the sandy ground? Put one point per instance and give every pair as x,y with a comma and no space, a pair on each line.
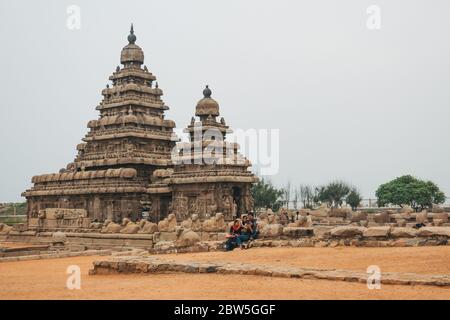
46,279
426,260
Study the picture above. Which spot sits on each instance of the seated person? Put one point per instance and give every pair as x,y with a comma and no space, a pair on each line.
235,232
251,220
246,232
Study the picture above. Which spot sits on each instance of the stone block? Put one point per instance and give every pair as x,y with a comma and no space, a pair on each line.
347,231
443,216
377,232
403,232
168,236
434,231
221,236
294,232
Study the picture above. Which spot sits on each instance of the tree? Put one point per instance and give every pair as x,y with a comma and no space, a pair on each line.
307,196
353,199
297,196
334,193
408,190
266,195
287,194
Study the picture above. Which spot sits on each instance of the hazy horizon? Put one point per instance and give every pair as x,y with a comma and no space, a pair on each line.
350,103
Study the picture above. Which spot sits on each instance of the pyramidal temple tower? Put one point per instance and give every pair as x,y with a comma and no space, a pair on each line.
210,175
128,165
131,138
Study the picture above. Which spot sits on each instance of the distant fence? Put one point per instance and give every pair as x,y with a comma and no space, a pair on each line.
13,219
365,203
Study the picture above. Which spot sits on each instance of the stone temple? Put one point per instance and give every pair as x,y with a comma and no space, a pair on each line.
130,165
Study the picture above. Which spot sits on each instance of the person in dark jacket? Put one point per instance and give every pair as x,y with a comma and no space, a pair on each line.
255,230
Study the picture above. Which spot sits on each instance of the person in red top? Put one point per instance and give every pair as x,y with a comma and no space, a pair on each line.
235,232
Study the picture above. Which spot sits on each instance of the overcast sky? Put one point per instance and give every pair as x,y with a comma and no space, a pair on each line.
351,103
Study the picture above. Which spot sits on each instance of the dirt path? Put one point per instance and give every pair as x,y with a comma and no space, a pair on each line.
427,260
46,279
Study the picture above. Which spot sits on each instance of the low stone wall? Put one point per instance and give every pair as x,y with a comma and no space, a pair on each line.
170,241
151,264
56,255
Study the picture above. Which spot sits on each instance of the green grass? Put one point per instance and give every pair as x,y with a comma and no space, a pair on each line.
21,209
13,220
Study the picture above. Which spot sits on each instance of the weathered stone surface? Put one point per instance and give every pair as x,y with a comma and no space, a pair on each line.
443,216
377,232
129,227
340,213
164,245
434,231
358,216
422,217
215,224
5,229
383,217
168,224
147,227
322,231
347,231
59,237
186,237
298,232
111,227
272,230
403,232
167,236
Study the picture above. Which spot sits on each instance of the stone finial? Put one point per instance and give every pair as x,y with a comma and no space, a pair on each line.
207,92
131,36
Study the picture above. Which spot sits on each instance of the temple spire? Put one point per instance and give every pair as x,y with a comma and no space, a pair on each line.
207,92
131,36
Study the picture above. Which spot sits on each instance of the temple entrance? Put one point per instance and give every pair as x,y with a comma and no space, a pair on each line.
164,207
237,198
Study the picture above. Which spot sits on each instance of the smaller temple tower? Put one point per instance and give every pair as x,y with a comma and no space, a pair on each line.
210,175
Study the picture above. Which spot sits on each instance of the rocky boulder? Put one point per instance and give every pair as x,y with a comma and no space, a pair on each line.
5,229
381,218
434,231
422,217
347,231
298,232
443,216
377,232
358,216
403,232
271,230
